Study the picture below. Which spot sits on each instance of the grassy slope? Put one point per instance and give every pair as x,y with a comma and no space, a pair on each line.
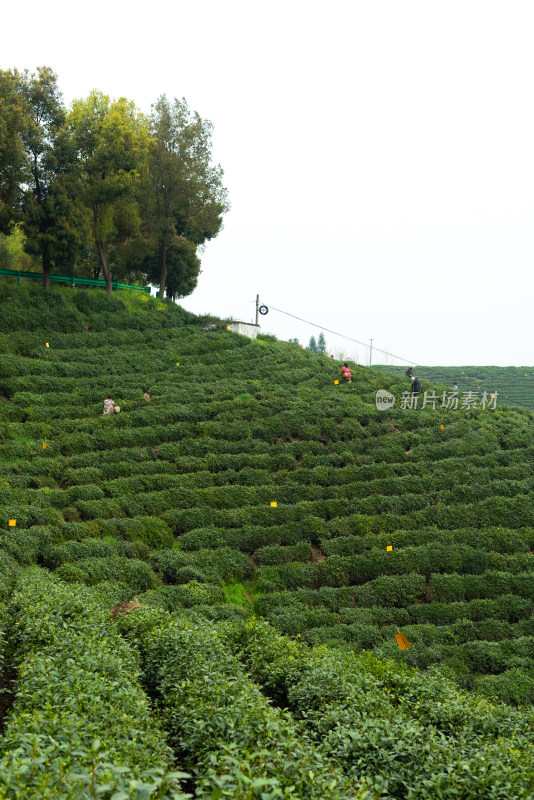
515,385
171,501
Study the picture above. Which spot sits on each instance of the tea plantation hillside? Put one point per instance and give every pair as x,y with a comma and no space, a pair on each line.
515,385
269,532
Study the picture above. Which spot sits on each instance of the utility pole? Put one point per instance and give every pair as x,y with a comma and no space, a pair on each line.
257,307
371,353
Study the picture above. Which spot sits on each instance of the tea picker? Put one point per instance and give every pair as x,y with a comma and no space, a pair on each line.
345,372
110,407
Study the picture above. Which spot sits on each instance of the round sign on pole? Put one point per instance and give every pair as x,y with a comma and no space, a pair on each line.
263,310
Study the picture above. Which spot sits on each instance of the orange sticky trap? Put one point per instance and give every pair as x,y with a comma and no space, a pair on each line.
402,641
389,548
44,445
442,427
274,504
336,381
12,523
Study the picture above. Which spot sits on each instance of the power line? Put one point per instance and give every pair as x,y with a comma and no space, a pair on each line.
342,335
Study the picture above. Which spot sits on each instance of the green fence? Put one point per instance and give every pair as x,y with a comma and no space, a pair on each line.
68,281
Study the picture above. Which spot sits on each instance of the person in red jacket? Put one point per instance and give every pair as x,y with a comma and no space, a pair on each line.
345,372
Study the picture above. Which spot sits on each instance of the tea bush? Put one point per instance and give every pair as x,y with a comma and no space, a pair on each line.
80,725
218,722
213,565
410,733
92,570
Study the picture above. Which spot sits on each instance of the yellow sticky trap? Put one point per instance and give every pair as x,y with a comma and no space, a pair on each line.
228,327
389,548
177,363
44,445
402,641
442,427
47,345
12,523
438,506
274,504
336,382
492,396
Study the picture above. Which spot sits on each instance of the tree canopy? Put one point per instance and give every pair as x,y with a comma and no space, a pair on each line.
183,196
51,219
100,189
110,140
13,162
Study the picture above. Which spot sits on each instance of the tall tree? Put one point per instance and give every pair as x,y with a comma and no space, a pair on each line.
111,143
52,221
312,345
184,197
183,268
13,161
321,344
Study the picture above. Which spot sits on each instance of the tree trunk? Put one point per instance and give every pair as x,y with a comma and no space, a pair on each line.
104,264
46,270
163,265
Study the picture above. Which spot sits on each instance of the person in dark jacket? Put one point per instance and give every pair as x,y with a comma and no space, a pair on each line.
416,385
409,373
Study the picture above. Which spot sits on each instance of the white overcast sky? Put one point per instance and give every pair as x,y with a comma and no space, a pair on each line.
378,155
